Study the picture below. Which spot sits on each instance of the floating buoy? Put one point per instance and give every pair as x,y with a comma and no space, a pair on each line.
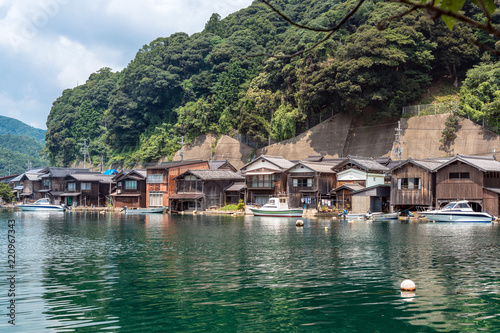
299,223
350,221
233,215
408,285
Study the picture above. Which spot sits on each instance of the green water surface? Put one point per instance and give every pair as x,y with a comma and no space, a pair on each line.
90,272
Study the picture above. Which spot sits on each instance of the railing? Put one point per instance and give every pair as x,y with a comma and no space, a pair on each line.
428,109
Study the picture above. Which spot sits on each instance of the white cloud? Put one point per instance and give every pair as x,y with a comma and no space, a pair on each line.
54,44
22,109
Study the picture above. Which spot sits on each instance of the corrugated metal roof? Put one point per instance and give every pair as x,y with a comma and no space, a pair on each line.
214,175
168,165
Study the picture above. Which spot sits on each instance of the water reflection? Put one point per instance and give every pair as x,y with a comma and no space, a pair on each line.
91,272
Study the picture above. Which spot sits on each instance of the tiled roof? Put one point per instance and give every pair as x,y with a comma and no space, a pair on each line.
352,187
365,163
485,164
62,172
318,167
215,175
279,161
236,187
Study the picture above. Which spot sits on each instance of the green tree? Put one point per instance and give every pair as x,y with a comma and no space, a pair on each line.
6,192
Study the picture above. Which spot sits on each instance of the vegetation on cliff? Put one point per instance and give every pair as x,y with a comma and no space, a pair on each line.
208,82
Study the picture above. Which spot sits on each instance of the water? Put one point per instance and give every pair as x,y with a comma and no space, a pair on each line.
114,273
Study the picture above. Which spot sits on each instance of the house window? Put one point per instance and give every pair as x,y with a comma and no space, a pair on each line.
46,183
155,199
155,179
86,186
459,175
302,182
71,187
131,185
409,183
262,181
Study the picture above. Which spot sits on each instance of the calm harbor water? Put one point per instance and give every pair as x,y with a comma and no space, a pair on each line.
87,272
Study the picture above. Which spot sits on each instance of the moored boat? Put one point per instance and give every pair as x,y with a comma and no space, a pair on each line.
41,205
277,207
384,216
457,211
152,210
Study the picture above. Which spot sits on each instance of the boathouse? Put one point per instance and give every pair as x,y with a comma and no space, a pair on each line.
310,184
472,178
265,177
202,189
413,184
129,189
160,180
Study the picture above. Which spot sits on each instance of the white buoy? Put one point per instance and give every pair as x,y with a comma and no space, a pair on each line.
408,285
299,223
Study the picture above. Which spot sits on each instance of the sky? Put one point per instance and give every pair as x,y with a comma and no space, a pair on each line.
47,46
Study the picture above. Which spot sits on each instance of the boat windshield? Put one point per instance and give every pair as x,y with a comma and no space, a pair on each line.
450,205
43,201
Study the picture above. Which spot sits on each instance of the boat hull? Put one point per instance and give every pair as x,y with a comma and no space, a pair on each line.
458,217
385,217
277,213
145,211
36,208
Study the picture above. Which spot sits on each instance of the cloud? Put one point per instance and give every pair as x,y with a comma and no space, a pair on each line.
23,109
51,45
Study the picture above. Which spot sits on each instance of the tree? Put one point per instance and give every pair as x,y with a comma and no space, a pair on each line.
449,11
6,192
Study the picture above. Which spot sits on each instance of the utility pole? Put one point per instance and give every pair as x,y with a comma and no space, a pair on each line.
181,151
398,150
85,151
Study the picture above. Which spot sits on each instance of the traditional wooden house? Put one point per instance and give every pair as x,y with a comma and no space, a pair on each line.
130,189
413,184
235,192
265,178
53,183
472,178
202,189
31,185
343,196
160,180
371,199
355,173
364,171
310,184
85,189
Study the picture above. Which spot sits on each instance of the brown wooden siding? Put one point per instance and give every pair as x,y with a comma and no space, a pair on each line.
453,189
414,197
491,202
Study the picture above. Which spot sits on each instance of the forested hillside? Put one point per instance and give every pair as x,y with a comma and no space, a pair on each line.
18,152
209,82
16,127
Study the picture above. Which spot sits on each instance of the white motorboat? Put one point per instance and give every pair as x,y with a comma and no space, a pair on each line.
41,205
457,211
277,207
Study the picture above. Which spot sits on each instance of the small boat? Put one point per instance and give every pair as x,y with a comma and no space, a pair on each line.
41,205
277,207
457,211
352,216
384,216
152,210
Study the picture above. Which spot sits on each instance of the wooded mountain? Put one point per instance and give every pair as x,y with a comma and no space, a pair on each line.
16,127
20,146
209,82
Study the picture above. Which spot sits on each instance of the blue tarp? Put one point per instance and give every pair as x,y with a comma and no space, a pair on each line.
110,172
